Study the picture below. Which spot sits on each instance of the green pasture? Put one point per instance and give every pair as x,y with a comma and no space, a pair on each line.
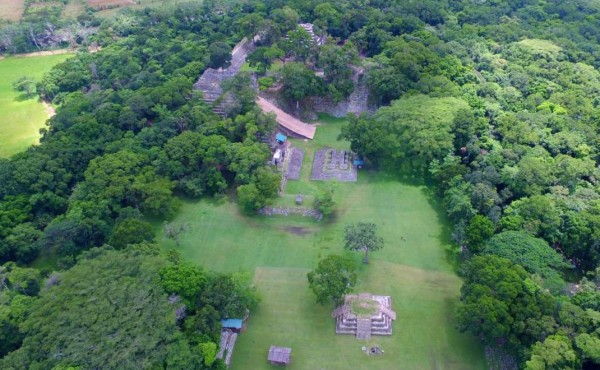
22,117
416,267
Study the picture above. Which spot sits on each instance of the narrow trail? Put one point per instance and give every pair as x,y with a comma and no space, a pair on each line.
50,111
49,52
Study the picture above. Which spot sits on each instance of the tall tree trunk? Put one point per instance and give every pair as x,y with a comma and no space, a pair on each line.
367,255
33,38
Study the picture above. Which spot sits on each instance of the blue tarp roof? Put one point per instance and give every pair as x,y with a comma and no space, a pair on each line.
232,323
280,137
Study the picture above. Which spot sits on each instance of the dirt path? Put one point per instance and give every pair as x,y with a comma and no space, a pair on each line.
49,109
43,53
50,52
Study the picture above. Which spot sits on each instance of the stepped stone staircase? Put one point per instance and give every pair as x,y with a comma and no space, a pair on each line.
210,81
363,329
358,101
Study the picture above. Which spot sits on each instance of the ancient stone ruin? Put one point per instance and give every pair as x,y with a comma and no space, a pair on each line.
364,315
210,81
331,164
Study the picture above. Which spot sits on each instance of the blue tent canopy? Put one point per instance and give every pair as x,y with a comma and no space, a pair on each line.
232,323
280,137
358,162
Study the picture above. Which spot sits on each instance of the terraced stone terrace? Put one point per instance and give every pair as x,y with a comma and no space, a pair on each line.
364,315
331,164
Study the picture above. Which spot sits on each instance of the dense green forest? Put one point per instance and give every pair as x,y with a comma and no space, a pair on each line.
496,103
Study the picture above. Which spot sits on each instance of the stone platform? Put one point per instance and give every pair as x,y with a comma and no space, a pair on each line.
364,315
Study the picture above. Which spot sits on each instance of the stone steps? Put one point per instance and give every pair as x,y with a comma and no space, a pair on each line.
363,329
210,81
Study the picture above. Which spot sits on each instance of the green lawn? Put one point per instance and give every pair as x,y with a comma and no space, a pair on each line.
416,268
22,117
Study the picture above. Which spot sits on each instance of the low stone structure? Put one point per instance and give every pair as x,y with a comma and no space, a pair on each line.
226,345
294,167
310,28
364,315
357,103
288,211
279,355
331,164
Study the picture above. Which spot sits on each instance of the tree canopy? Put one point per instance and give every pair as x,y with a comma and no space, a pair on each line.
362,236
334,277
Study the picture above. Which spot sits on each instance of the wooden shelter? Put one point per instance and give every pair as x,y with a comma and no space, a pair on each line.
235,325
279,355
288,123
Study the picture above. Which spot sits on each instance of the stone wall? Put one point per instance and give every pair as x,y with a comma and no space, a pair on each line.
357,102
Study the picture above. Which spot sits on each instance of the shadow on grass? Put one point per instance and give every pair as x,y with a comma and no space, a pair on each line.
23,97
451,250
428,188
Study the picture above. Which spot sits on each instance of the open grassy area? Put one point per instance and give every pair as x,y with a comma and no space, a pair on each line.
22,117
109,8
416,268
73,9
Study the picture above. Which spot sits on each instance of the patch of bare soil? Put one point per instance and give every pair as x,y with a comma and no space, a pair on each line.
49,109
91,49
297,230
43,53
107,4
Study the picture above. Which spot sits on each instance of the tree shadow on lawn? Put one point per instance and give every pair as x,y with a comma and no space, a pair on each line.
428,189
23,97
452,250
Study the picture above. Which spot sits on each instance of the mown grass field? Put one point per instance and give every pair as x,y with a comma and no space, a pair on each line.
416,268
73,9
22,117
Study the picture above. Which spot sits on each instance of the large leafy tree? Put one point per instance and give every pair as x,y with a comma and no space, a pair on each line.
478,231
408,135
362,236
220,55
555,352
334,277
298,44
589,345
25,84
231,295
300,82
107,312
194,161
324,202
183,279
131,231
19,287
21,244
126,179
500,303
534,254
335,61
263,57
259,192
